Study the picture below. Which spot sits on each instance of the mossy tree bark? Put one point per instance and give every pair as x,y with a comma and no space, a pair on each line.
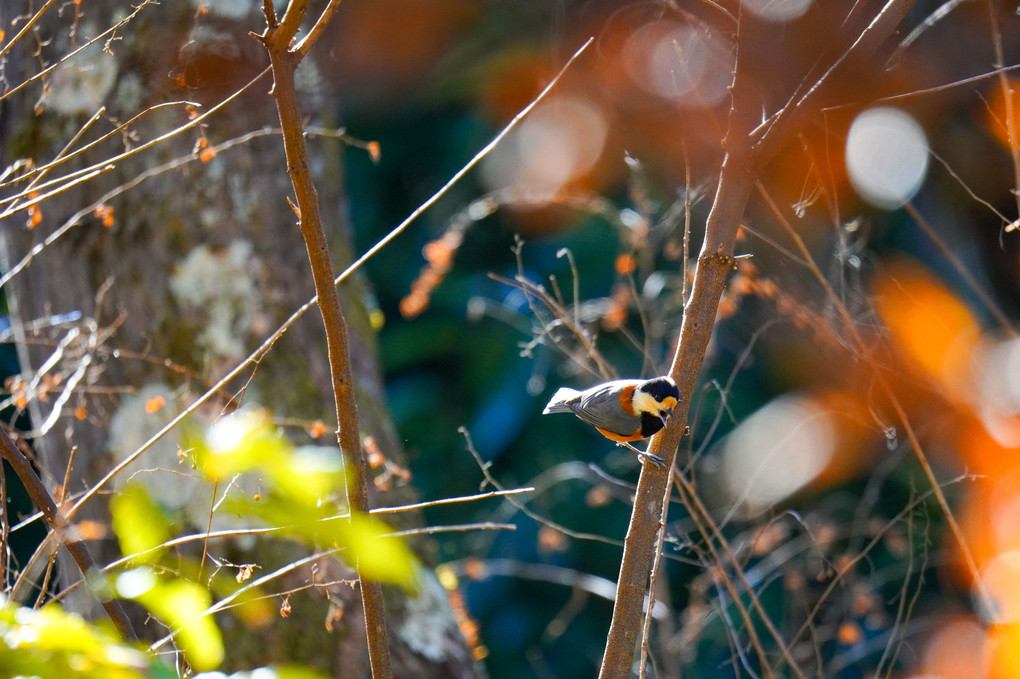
134,295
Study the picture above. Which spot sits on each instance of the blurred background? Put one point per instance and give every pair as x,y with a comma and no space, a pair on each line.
793,446
871,313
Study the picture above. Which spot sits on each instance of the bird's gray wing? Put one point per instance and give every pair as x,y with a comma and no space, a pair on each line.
600,407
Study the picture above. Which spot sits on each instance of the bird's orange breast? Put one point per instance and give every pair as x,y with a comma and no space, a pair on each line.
622,438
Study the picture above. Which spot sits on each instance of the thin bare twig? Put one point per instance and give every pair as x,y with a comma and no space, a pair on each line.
468,166
776,131
968,278
58,524
544,572
256,584
1008,102
532,291
710,533
306,43
851,562
75,219
926,90
901,414
109,31
746,150
36,174
492,481
24,29
271,340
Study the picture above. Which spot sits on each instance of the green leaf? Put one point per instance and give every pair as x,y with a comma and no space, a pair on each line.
306,474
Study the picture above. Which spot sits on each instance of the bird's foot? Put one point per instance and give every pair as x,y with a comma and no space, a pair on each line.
645,456
653,458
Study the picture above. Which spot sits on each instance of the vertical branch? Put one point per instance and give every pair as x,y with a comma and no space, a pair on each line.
747,151
656,570
714,263
277,40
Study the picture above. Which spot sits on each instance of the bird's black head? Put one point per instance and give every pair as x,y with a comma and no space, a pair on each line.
654,400
661,389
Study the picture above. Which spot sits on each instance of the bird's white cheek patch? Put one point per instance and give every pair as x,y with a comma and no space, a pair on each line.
644,403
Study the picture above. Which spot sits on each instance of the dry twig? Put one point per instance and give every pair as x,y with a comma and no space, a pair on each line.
58,524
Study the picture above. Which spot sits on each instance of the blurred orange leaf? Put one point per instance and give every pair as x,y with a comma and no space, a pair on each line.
999,123
91,530
374,151
929,324
34,217
625,264
104,213
154,404
317,429
850,634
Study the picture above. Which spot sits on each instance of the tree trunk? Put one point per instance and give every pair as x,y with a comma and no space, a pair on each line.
157,297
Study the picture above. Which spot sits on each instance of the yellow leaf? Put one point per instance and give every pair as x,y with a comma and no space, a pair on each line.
379,555
140,524
181,604
239,442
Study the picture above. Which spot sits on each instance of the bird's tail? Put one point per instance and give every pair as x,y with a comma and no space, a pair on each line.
558,403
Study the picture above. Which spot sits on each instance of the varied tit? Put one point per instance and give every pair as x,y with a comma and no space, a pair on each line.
622,410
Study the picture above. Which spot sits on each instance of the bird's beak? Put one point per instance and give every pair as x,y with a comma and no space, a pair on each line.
665,416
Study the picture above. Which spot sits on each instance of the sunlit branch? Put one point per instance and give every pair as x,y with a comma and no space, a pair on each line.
108,32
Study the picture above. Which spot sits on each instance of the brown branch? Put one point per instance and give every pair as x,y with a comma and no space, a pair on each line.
277,40
714,263
317,30
58,524
746,152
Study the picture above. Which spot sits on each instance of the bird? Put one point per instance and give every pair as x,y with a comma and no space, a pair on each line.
622,410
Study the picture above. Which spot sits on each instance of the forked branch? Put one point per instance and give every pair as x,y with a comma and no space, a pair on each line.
58,524
277,40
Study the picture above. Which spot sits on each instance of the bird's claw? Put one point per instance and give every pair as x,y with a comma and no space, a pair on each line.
653,458
642,455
